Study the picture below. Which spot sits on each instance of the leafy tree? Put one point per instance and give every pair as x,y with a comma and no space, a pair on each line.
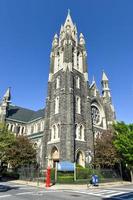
124,143
15,150
105,152
22,152
6,141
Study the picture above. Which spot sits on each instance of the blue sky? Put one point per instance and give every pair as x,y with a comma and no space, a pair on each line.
27,28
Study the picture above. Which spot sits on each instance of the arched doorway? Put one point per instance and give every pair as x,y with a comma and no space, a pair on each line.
80,158
54,156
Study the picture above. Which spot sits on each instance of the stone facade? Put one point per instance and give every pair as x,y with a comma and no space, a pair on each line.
75,111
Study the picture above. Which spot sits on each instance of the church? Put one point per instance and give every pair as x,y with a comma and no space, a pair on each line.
75,111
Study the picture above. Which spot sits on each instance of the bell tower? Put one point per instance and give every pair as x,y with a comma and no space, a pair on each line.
68,125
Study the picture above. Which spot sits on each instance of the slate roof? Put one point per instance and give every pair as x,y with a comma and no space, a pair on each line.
23,114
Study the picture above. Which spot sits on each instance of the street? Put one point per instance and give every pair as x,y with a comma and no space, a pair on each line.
11,191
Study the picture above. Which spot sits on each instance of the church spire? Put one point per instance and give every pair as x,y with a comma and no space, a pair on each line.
105,86
4,105
68,52
68,21
7,95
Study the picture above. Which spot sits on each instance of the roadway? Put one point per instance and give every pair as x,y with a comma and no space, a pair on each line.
12,191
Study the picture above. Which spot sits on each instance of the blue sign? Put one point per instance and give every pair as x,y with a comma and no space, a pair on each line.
65,166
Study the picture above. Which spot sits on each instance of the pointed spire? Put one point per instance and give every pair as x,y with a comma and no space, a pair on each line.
55,40
93,80
68,21
7,95
61,29
56,36
93,83
104,76
81,39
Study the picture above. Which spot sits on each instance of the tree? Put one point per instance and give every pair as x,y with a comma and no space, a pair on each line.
21,153
15,150
6,141
124,143
105,152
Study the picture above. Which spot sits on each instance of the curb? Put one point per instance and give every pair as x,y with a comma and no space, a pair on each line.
69,186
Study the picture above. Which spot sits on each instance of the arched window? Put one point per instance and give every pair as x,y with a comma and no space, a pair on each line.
95,115
38,127
8,125
32,129
17,130
77,82
58,131
55,132
58,82
56,105
78,105
22,130
42,126
80,132
11,128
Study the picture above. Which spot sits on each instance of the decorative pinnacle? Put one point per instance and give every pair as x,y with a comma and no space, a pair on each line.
68,11
104,76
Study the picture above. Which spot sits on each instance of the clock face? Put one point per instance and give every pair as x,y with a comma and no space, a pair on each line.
95,115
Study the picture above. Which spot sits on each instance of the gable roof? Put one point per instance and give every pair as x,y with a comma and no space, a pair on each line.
23,114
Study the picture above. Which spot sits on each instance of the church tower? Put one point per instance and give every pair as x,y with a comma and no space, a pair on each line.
4,104
68,124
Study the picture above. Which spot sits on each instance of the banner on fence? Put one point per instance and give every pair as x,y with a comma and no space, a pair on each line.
65,166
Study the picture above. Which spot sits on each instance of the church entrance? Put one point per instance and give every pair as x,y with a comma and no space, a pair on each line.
54,156
80,158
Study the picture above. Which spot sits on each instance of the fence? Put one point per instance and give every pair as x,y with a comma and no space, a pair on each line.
83,175
31,174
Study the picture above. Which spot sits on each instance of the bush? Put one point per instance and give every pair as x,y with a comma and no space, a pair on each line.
83,173
10,175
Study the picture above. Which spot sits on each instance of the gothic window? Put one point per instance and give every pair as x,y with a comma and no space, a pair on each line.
42,126
18,130
38,127
57,105
22,130
78,105
11,128
57,82
77,82
8,125
32,129
55,132
95,115
79,132
58,129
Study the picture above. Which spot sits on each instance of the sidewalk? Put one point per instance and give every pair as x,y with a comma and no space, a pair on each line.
71,186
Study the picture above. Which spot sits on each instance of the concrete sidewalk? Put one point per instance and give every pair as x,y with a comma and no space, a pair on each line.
71,186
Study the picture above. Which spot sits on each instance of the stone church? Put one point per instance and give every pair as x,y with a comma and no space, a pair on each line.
75,111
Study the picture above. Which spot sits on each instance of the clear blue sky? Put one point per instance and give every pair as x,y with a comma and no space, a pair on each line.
27,28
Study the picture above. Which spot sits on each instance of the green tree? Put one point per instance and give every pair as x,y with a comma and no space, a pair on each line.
6,141
124,143
105,153
16,151
22,152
